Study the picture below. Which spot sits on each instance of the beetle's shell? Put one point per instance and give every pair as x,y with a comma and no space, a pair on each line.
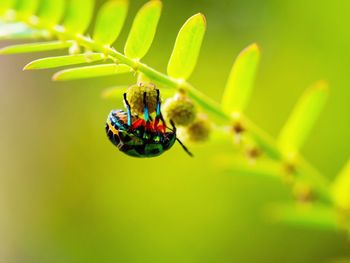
137,142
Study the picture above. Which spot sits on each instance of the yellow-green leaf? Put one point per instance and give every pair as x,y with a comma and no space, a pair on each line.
315,216
61,61
114,92
91,72
27,8
303,118
51,12
187,47
35,47
20,31
241,80
5,5
143,30
242,166
341,188
78,15
340,260
110,21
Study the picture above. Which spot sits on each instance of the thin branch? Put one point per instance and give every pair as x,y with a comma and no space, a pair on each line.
318,182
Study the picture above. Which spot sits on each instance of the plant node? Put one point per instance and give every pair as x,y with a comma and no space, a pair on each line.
303,193
288,171
253,153
238,128
75,49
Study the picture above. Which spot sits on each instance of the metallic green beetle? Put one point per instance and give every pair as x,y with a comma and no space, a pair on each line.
141,137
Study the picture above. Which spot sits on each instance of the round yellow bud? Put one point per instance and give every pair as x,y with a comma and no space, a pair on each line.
199,130
180,110
135,95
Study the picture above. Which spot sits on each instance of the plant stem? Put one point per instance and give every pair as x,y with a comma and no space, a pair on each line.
318,182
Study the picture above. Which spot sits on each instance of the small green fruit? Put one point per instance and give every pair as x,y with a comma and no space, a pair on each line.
135,95
199,130
180,110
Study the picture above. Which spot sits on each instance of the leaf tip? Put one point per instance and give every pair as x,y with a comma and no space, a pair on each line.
57,76
104,94
126,3
29,66
198,18
321,85
154,3
255,47
252,48
202,16
3,51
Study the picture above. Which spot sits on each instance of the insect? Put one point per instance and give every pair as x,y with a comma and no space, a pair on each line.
141,137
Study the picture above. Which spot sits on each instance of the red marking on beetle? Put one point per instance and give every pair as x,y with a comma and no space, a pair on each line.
138,123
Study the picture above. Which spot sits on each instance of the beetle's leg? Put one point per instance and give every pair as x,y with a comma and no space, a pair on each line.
146,111
178,140
159,104
158,112
128,109
146,134
173,126
159,115
156,121
184,147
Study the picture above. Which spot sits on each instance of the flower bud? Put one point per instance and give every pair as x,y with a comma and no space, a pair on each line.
303,192
135,96
180,110
199,130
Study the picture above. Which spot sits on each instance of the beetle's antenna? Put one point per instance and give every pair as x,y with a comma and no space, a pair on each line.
128,109
178,140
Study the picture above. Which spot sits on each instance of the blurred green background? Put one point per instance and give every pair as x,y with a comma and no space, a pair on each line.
67,195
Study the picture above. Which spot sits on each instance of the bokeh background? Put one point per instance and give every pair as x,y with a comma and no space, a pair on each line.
67,195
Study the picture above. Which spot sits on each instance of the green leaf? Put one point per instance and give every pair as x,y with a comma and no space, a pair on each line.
61,61
117,92
110,21
314,216
51,12
20,31
341,188
340,260
303,118
5,5
114,92
25,35
35,47
187,47
241,80
262,169
143,30
239,164
91,72
27,8
78,15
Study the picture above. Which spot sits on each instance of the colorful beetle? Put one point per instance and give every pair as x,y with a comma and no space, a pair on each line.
139,137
